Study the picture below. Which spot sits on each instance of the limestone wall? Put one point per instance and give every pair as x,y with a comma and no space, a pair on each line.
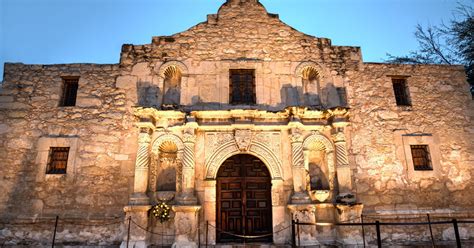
380,130
241,36
99,130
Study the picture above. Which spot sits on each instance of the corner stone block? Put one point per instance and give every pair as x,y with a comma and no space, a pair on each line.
305,213
349,214
186,226
126,82
139,238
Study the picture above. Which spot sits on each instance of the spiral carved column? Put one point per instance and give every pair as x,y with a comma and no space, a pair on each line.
142,164
300,194
342,162
187,196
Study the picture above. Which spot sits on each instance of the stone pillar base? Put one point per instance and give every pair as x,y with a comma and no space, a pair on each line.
139,199
305,213
187,199
186,223
300,198
138,237
349,214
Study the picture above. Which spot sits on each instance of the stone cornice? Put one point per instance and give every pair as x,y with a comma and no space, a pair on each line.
291,116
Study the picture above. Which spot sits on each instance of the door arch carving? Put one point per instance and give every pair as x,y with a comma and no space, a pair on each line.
257,149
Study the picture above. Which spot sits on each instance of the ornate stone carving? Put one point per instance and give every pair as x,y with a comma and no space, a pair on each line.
167,137
189,137
182,67
341,150
243,138
296,135
230,148
143,155
273,139
215,140
320,140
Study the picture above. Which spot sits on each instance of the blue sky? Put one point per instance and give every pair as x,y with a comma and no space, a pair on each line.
92,31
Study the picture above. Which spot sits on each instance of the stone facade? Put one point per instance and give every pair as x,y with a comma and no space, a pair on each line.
159,125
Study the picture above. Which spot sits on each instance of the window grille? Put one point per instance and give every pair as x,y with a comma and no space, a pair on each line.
57,160
242,87
70,86
421,157
401,92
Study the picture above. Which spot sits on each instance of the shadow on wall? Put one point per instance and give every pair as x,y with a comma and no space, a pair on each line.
150,95
318,178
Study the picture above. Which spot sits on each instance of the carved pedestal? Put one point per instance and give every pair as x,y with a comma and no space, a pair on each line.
138,237
186,223
307,233
349,214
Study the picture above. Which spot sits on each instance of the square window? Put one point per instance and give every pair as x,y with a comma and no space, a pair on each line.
57,160
400,89
242,87
70,86
421,157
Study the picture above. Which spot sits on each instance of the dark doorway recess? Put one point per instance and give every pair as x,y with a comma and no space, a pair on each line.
244,205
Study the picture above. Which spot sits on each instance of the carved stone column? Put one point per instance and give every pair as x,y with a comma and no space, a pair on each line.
299,171
344,176
142,164
187,196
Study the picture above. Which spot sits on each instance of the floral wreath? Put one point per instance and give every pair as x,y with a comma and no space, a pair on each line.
161,211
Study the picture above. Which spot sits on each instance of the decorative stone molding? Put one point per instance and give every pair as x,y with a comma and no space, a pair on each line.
301,67
182,67
230,148
155,156
296,148
318,139
142,164
44,144
167,137
341,150
316,136
243,138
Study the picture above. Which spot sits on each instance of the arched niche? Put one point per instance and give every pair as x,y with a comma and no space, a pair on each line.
166,164
310,76
319,162
172,76
256,149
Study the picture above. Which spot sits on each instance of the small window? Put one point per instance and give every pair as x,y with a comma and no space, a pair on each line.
57,160
242,87
400,90
421,157
70,86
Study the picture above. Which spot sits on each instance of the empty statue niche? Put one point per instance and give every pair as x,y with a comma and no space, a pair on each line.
318,167
311,86
172,86
168,171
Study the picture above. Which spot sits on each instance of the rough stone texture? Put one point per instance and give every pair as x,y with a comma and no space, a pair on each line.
100,184
362,147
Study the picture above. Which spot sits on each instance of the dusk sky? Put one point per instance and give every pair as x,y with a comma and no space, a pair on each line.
93,31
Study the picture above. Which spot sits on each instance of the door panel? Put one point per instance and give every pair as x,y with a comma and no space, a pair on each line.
244,199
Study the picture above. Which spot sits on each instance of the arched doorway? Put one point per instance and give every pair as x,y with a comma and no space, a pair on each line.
244,205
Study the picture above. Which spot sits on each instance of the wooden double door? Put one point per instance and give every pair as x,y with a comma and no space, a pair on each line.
244,200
